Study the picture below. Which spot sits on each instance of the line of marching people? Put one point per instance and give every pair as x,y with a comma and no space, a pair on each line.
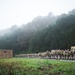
53,54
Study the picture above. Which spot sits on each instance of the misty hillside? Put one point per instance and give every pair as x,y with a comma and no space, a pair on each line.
41,34
58,36
36,24
9,30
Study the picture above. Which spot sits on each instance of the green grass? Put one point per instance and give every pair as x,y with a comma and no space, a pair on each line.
34,66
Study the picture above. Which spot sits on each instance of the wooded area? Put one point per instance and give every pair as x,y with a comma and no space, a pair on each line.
42,34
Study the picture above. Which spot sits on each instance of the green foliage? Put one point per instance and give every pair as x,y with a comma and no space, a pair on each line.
58,36
36,38
28,66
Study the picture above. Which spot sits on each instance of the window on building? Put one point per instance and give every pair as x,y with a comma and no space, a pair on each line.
5,51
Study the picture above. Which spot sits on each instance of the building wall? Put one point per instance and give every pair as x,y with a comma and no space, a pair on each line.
6,53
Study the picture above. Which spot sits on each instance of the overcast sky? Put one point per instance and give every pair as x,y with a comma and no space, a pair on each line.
22,11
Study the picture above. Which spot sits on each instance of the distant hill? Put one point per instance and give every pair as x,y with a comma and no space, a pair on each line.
9,30
41,34
58,36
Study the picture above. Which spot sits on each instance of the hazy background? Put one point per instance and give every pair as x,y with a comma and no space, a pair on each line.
22,11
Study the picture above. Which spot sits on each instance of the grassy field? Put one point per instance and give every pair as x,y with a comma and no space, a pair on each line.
34,66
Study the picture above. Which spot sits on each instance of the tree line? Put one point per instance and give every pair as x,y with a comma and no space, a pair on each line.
42,34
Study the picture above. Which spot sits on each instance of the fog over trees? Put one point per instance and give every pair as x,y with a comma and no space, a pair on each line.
41,34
